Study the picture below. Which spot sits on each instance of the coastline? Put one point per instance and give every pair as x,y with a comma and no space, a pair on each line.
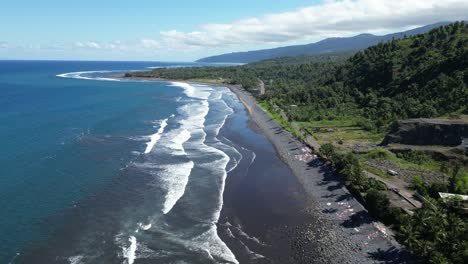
337,227
327,197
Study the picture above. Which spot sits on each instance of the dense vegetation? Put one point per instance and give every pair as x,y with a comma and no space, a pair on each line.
421,76
326,57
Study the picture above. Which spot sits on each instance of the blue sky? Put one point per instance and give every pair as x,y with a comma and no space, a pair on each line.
183,30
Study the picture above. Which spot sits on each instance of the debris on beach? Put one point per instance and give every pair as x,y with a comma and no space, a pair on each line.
306,155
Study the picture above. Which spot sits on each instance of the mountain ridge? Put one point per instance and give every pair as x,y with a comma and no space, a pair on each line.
328,45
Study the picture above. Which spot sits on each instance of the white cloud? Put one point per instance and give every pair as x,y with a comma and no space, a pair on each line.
150,44
3,45
89,45
331,18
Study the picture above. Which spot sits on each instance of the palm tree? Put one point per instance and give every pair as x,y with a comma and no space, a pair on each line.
409,236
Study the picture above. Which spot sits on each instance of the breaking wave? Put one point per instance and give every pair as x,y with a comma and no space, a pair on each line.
87,75
155,137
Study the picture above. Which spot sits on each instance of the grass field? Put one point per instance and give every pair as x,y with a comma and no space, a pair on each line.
334,131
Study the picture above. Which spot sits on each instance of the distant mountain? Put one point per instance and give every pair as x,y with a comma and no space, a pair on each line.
328,45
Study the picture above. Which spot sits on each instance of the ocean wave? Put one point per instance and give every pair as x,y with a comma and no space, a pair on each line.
176,143
191,91
177,176
206,243
141,226
211,243
195,114
75,259
80,75
193,144
220,168
237,156
129,253
155,137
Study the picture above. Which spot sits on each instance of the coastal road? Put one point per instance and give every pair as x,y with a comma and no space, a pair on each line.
399,189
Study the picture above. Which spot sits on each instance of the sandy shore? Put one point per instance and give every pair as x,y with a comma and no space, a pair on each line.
337,228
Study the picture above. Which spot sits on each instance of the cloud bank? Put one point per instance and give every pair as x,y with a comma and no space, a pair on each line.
331,18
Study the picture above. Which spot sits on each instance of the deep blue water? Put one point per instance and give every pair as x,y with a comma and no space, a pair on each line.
73,165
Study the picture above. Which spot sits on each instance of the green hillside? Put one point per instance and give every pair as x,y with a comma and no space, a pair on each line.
421,76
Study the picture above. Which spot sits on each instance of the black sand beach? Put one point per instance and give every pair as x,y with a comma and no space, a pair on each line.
310,218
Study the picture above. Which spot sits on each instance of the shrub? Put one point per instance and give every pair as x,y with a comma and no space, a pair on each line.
417,183
379,154
417,156
377,203
375,184
327,151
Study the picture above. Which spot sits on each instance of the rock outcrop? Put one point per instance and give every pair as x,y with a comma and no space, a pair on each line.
425,132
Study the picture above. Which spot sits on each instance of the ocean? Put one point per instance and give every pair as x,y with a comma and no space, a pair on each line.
96,169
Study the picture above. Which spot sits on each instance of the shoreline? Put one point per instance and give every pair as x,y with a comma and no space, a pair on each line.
345,223
326,191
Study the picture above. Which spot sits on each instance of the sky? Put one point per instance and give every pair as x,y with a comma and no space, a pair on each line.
186,30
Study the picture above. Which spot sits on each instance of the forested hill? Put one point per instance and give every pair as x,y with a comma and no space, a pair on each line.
421,76
329,45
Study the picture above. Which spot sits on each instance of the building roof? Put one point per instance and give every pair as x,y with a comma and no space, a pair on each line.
449,195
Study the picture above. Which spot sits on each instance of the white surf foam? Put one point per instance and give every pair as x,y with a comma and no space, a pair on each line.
75,259
175,181
220,167
130,252
177,175
210,242
207,243
186,140
145,227
191,91
177,139
81,75
195,114
155,137
194,122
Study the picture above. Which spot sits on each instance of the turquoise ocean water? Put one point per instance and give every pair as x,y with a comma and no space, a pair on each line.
92,169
